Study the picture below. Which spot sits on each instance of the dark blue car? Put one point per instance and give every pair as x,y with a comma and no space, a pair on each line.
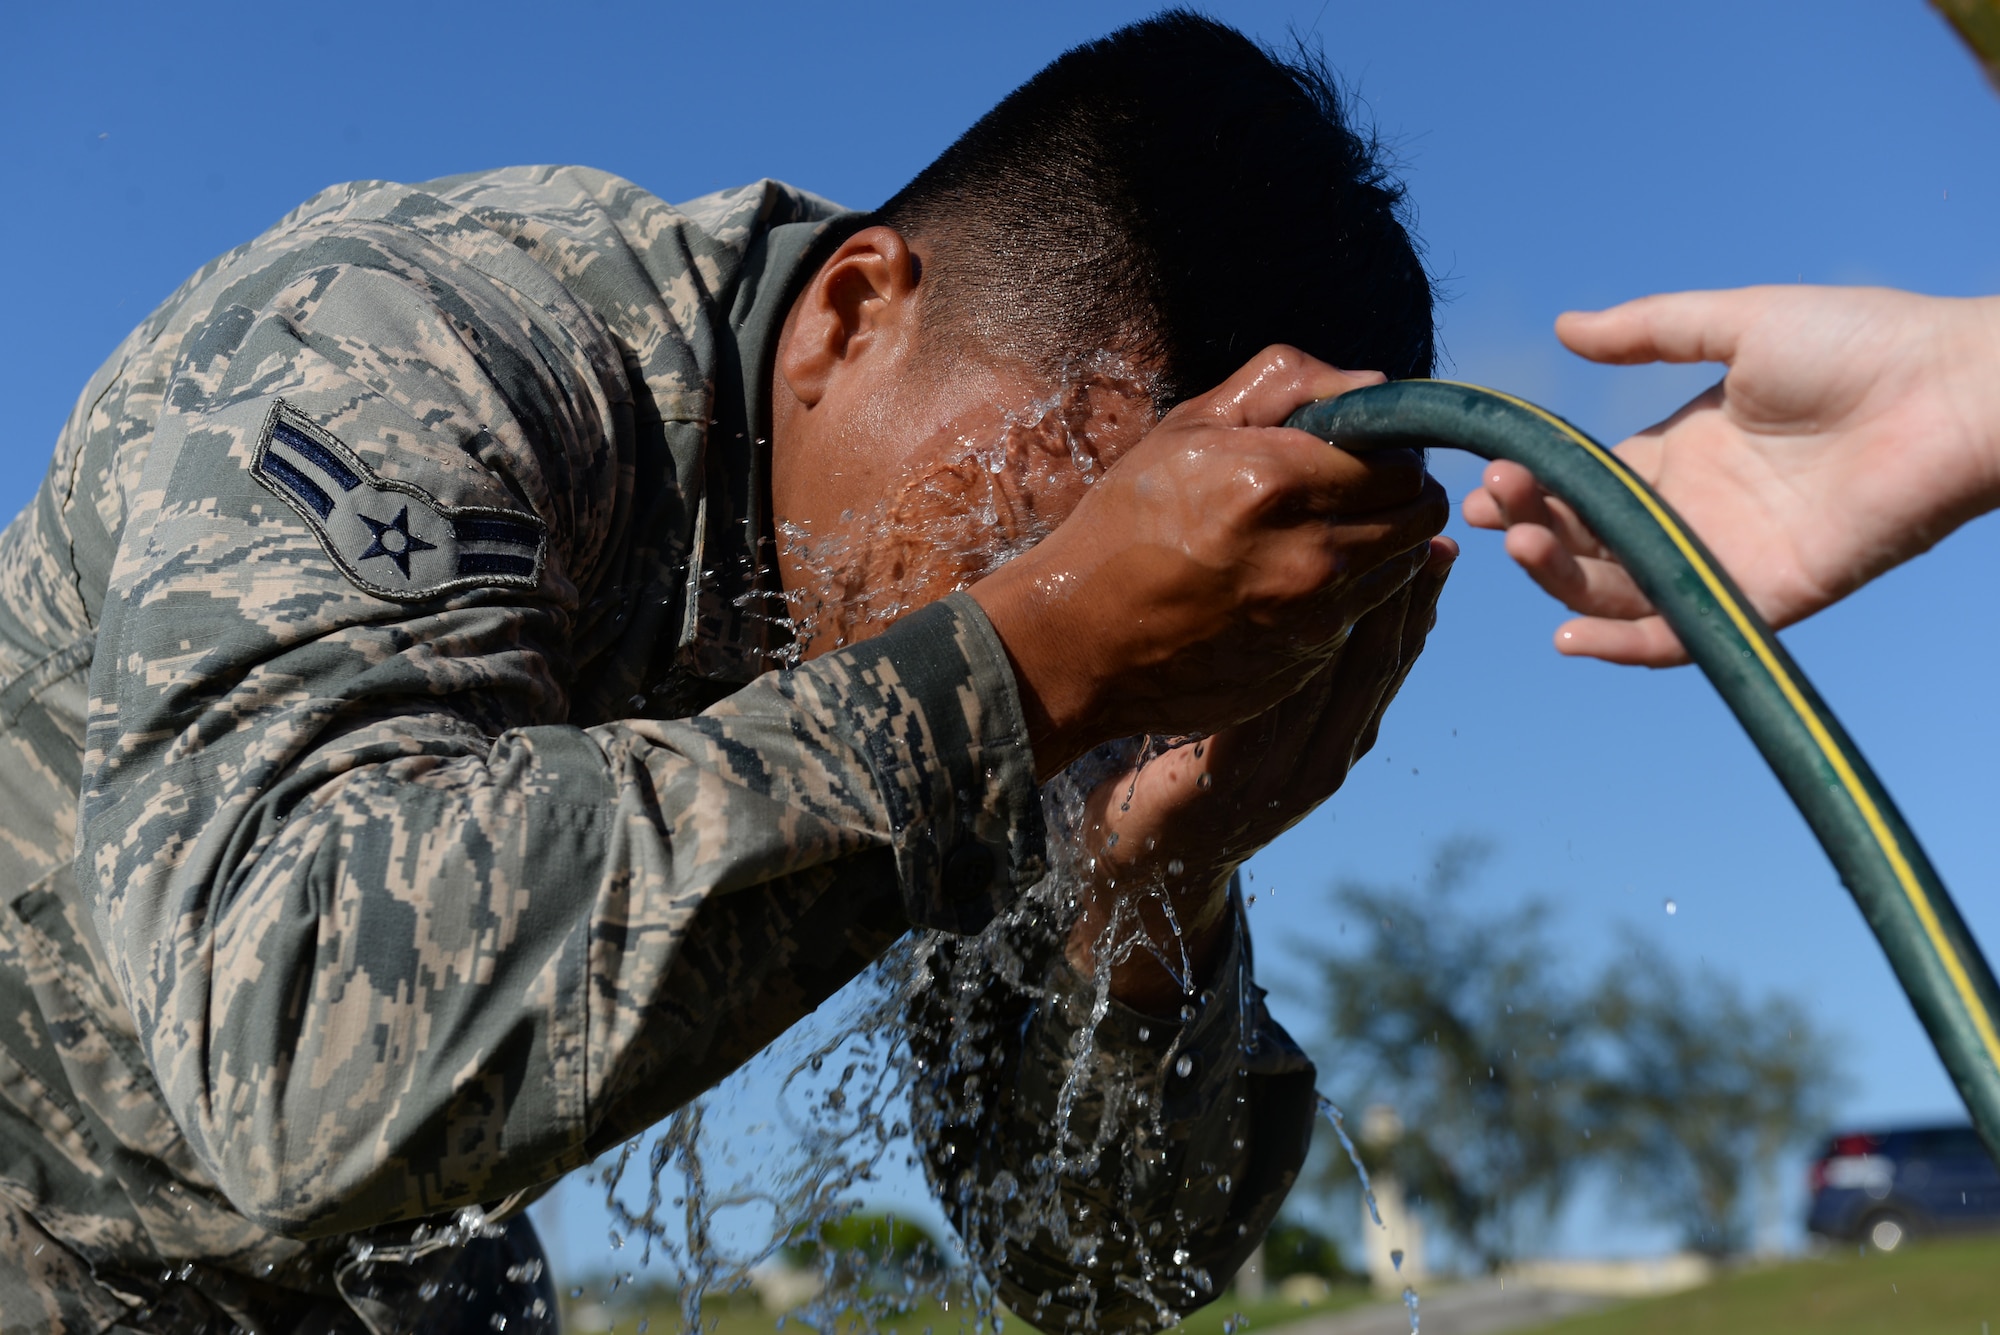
1885,1187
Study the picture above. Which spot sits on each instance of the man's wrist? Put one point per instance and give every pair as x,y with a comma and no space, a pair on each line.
1163,943
1055,695
1977,376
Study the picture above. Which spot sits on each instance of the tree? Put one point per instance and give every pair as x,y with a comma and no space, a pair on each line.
865,1248
1511,1083
1460,1022
1704,1091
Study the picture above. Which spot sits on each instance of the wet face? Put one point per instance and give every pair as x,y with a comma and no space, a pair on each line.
902,471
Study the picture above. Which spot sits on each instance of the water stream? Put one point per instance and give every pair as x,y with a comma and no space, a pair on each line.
895,1075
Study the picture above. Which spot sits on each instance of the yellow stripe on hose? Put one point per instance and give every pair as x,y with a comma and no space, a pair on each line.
1884,838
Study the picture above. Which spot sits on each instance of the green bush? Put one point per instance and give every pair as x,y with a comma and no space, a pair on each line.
1292,1248
868,1247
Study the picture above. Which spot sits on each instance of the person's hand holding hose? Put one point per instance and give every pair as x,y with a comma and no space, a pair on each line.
1854,429
1229,576
1217,568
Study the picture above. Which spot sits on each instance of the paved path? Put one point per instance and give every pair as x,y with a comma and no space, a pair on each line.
1476,1307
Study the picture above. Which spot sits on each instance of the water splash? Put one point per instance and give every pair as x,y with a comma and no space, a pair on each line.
765,1168
1333,1115
943,526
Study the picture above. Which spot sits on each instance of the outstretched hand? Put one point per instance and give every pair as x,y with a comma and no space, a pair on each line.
1854,429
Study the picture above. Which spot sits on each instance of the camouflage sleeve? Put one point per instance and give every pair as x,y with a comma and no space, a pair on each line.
396,936
1106,1169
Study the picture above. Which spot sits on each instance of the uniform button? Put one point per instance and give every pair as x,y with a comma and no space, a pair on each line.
968,870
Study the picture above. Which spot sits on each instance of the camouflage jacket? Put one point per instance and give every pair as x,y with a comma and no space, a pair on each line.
399,807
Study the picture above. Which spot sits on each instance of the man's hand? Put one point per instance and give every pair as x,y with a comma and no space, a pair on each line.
1214,571
1163,839
1855,428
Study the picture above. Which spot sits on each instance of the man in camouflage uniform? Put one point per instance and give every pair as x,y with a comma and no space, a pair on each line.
402,808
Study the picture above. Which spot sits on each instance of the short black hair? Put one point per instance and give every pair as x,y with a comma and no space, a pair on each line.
1179,195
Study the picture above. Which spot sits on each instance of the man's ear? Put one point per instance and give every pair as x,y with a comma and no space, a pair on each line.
861,303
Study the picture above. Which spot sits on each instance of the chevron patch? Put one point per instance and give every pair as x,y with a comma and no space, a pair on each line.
389,537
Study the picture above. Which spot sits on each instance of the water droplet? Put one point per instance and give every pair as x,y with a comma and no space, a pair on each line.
1204,783
1672,908
1175,866
1184,1067
1396,1259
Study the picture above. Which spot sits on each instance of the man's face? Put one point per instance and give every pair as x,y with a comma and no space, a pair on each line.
907,470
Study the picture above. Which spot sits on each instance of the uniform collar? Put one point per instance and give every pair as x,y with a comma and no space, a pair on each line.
735,625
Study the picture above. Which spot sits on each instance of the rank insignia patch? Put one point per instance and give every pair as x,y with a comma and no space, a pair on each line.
392,539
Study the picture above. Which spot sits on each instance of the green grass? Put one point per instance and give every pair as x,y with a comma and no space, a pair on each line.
1938,1288
745,1316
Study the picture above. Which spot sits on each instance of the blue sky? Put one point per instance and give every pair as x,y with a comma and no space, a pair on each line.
1559,155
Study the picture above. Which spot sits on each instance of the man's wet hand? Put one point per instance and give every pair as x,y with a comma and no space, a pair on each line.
1163,839
1217,568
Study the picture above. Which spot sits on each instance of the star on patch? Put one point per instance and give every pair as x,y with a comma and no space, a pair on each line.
431,547
394,540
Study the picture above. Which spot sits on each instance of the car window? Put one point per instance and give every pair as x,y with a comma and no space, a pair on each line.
1947,1143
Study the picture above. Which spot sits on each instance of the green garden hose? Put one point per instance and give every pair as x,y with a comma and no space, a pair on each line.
1934,955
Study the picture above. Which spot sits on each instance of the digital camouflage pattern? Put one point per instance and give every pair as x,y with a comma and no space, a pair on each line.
335,903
